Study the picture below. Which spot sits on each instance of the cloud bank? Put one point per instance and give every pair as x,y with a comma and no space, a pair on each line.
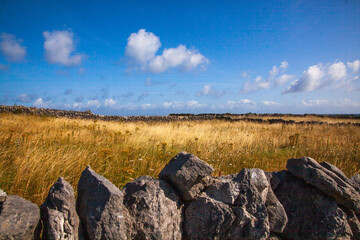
141,51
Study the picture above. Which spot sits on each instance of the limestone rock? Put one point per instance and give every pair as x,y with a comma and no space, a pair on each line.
341,175
356,179
206,218
223,189
188,174
19,219
326,180
101,209
353,222
58,213
252,220
311,213
277,214
156,208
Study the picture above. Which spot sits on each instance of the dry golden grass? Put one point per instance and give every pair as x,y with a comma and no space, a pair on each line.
35,151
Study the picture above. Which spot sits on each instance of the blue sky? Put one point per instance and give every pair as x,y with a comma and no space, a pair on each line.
161,57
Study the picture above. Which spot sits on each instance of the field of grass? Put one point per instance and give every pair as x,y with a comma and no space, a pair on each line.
35,151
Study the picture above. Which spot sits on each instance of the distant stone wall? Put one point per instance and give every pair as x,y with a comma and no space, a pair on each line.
309,200
249,117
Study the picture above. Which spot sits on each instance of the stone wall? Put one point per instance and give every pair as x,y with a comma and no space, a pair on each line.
249,117
309,200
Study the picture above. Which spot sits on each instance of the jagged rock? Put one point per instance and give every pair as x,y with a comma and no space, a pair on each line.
311,213
353,221
188,174
277,214
341,175
224,189
256,195
19,219
156,208
206,218
101,209
326,180
356,179
58,213
252,220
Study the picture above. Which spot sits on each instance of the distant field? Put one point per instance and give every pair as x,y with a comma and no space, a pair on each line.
35,151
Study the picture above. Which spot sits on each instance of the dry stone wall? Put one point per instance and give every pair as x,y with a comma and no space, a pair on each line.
309,200
250,117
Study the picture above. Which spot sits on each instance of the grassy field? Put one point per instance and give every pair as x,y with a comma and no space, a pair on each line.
35,151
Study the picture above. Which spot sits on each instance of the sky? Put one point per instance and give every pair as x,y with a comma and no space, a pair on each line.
162,57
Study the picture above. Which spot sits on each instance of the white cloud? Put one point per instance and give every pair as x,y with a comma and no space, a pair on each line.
284,65
40,103
241,104
273,72
93,103
271,103
310,80
319,76
355,65
281,80
337,103
208,91
192,104
337,71
59,47
142,47
25,98
109,102
10,47
258,84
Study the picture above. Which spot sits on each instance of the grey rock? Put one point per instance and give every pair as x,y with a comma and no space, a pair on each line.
356,179
325,180
101,209
252,220
277,214
206,218
311,213
225,190
256,180
156,208
188,174
19,219
353,221
341,175
58,213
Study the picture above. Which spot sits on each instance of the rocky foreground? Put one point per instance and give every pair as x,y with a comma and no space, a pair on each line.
307,201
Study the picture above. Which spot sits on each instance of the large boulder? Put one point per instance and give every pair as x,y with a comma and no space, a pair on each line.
248,193
311,213
206,218
326,180
58,213
101,209
156,208
188,174
19,219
